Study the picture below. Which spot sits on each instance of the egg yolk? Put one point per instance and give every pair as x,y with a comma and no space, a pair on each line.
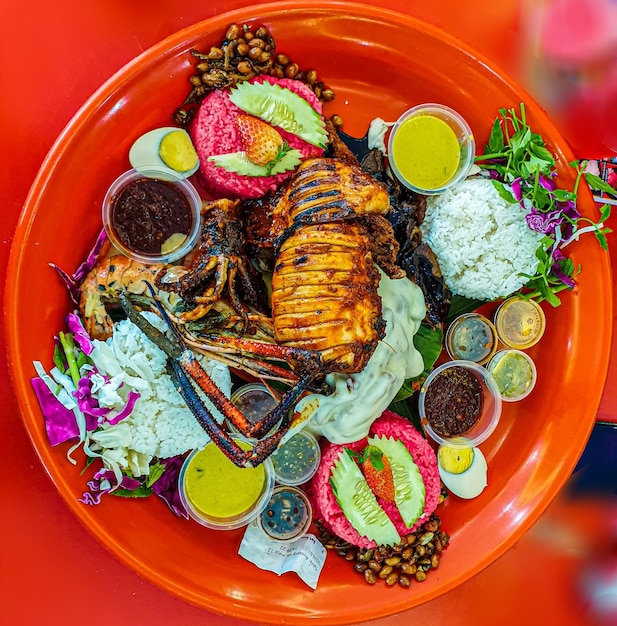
454,460
177,151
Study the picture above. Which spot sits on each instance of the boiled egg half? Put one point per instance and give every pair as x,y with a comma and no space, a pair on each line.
462,470
168,149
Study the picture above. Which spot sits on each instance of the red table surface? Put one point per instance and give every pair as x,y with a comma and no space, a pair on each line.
53,56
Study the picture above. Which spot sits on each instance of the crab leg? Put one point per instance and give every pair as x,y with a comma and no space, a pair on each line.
223,441
183,362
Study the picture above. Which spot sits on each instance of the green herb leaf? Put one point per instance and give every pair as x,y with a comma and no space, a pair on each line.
597,184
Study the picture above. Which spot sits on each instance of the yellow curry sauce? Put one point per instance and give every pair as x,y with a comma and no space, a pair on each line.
426,151
218,488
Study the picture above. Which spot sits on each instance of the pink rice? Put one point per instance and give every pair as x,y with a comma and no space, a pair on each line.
214,132
327,508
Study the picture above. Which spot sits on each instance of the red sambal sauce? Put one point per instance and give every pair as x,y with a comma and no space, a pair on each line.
147,212
453,402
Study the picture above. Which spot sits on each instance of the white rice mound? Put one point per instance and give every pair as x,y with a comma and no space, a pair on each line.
160,425
482,242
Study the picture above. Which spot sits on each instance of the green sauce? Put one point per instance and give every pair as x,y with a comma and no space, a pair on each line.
218,488
513,374
426,151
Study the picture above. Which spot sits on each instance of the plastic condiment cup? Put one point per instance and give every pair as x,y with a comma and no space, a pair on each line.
520,322
449,151
288,514
471,337
178,249
297,460
515,374
212,488
490,412
254,400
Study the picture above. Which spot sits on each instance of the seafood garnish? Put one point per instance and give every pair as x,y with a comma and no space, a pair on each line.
183,364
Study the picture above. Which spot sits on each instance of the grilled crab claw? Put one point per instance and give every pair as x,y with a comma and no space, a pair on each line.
186,371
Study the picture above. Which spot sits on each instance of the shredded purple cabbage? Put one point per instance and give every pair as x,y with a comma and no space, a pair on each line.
166,487
95,413
81,337
558,256
103,482
543,222
60,422
126,410
91,259
72,282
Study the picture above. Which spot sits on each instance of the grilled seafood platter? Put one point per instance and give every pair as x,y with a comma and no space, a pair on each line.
263,299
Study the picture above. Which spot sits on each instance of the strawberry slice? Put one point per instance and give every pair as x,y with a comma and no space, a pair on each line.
262,143
377,471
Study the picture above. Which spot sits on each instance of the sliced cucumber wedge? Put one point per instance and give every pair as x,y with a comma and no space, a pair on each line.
239,163
283,108
409,489
359,503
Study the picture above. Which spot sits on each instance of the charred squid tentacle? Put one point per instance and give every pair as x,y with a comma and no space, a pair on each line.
223,441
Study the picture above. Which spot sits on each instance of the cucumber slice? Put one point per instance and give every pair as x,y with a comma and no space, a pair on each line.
239,163
409,489
359,503
283,108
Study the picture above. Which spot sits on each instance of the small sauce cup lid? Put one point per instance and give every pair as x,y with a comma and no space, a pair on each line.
254,400
520,322
288,514
297,460
471,337
514,372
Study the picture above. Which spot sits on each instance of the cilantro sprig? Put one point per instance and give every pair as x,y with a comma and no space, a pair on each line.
523,170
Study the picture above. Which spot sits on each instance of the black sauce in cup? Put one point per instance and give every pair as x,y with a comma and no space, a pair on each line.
149,215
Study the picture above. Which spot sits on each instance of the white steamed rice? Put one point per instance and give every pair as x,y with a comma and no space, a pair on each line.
160,425
482,242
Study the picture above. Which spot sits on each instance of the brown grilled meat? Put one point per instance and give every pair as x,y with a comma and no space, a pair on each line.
324,285
324,295
326,190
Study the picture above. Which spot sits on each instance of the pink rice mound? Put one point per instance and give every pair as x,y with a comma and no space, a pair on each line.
326,507
214,132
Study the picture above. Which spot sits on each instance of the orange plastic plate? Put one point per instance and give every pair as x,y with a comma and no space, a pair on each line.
379,64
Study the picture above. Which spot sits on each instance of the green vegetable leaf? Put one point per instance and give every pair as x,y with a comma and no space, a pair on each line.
141,492
156,471
597,184
495,141
504,191
460,305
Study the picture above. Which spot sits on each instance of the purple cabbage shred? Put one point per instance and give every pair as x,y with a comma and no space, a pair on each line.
166,487
60,422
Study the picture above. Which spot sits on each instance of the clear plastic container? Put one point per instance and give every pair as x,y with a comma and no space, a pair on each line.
220,495
480,394
520,323
297,460
515,374
471,337
431,148
254,401
287,515
178,244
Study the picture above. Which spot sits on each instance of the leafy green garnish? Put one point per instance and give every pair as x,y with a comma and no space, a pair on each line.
140,492
460,305
523,170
